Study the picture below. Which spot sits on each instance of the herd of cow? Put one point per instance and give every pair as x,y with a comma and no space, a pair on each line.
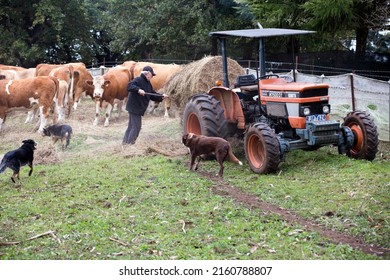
58,88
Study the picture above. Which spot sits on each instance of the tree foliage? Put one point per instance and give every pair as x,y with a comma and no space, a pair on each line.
171,29
333,19
98,31
44,31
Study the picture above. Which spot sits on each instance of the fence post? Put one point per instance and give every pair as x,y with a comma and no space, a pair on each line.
102,70
352,93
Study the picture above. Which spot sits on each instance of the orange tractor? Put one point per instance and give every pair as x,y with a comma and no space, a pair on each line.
275,114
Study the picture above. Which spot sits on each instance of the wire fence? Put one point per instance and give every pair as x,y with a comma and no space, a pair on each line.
380,73
323,70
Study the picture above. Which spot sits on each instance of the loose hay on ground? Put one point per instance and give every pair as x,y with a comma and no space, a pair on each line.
46,155
158,136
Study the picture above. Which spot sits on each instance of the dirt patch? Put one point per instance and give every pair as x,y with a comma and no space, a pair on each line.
253,202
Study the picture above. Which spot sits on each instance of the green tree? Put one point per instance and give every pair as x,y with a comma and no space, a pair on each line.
102,31
171,29
36,31
334,19
359,16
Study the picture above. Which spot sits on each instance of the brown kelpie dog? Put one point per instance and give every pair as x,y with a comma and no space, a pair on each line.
203,145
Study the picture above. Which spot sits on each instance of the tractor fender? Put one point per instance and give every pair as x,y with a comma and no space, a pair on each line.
231,104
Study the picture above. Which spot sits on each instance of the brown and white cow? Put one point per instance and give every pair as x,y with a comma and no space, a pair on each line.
28,93
80,78
83,83
163,72
10,74
11,67
65,76
108,88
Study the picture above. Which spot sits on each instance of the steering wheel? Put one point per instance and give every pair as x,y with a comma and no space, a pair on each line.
269,76
287,78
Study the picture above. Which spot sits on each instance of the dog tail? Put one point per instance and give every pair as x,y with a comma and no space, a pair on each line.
232,157
68,136
3,165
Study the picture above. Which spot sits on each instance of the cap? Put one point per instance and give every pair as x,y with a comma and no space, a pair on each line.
150,69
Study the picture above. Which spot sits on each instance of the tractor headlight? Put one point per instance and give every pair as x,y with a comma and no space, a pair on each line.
306,111
326,109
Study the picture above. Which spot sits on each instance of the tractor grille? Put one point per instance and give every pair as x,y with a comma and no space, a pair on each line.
314,92
277,109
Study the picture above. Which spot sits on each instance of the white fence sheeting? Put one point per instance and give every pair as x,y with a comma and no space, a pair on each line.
370,95
98,71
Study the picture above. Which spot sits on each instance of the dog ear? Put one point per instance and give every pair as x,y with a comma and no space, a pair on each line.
189,139
46,131
185,138
29,141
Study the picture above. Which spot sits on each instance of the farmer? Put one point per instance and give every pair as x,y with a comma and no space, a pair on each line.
140,92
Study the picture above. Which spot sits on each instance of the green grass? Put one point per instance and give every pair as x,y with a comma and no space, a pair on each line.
162,211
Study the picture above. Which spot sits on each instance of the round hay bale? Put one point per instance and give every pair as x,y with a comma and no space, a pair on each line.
198,77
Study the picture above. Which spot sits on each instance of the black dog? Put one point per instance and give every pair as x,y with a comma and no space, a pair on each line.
19,157
56,131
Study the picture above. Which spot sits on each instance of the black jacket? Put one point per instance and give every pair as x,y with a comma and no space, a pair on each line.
136,103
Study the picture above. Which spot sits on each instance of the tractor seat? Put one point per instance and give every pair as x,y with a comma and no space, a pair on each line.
246,83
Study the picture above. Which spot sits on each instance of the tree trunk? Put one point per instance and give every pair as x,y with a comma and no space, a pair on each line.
361,40
214,46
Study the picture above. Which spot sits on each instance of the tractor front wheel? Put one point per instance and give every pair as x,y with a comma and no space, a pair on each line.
204,115
262,149
365,134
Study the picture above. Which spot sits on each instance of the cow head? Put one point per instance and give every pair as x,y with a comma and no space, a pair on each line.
100,85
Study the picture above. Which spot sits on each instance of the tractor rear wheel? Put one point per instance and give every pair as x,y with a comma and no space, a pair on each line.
262,149
365,135
203,114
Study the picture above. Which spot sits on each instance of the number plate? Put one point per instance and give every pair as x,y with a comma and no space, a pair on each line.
316,118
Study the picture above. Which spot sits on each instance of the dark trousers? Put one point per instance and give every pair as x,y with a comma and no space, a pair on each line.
133,129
